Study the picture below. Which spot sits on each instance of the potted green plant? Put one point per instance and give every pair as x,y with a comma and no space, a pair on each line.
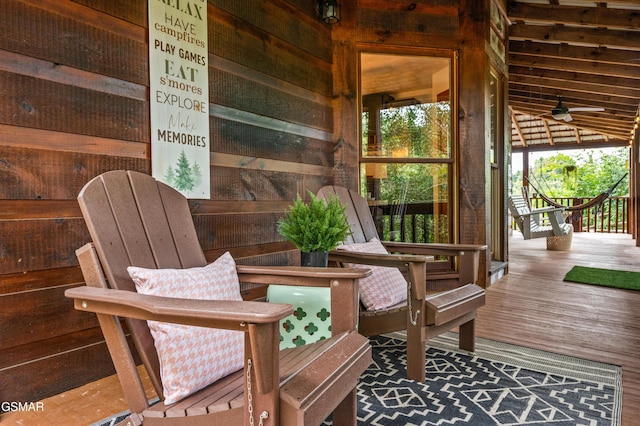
315,228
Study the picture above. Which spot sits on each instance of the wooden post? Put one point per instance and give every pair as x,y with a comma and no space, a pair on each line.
346,133
474,128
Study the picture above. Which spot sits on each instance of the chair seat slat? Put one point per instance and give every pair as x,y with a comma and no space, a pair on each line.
229,391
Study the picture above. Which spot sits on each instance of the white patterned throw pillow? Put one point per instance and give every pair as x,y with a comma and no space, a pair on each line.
193,357
385,286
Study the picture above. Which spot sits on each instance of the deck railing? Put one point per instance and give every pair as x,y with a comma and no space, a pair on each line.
417,222
412,222
612,216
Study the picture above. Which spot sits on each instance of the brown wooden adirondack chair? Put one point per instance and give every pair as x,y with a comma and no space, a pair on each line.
135,220
442,293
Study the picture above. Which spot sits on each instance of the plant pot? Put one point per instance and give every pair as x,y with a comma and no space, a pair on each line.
311,320
314,258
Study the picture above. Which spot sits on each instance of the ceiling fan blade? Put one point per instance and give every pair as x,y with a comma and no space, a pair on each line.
586,109
568,118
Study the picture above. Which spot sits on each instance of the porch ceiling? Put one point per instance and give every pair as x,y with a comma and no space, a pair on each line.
586,52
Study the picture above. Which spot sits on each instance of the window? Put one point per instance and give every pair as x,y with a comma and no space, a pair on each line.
406,158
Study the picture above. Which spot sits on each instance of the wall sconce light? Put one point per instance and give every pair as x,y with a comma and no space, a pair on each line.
329,10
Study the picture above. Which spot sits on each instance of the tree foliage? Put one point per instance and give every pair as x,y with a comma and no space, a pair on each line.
421,130
582,174
410,134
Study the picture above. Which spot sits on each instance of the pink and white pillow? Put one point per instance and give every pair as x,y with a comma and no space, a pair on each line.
385,286
193,357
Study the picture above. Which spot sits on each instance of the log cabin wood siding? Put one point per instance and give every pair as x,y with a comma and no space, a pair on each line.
283,120
75,103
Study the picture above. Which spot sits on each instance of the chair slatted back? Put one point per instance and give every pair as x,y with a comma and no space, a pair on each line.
363,229
134,220
361,223
518,208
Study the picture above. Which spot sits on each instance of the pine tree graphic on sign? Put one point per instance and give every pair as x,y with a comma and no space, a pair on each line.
184,179
184,176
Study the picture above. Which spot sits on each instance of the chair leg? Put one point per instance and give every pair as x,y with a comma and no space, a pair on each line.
467,336
416,354
345,413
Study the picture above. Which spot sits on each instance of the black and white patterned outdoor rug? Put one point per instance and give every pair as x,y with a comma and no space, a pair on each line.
498,384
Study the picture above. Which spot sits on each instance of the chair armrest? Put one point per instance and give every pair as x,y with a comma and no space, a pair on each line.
449,305
414,265
382,259
468,255
341,281
298,275
548,210
437,249
232,315
556,220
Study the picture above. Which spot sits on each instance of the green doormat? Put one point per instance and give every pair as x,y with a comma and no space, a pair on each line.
604,277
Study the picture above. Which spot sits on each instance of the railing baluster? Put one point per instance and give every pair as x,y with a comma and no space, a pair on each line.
612,217
418,227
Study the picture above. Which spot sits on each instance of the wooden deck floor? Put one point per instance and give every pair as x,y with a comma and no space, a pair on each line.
531,306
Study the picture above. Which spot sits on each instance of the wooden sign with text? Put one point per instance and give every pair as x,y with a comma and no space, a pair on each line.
179,95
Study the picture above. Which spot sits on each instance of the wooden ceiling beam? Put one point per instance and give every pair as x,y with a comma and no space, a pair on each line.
516,125
540,130
577,98
548,131
571,75
588,52
592,16
574,98
617,134
595,125
596,68
598,118
574,35
611,143
582,53
570,81
615,116
567,135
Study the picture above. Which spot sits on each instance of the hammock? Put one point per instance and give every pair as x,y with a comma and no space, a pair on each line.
594,202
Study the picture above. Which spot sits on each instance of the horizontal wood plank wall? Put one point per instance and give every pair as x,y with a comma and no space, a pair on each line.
75,103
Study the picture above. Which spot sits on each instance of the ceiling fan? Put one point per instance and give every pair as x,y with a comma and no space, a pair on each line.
561,112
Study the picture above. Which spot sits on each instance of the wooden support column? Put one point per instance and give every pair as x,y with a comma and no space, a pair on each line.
634,189
525,167
474,130
346,133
